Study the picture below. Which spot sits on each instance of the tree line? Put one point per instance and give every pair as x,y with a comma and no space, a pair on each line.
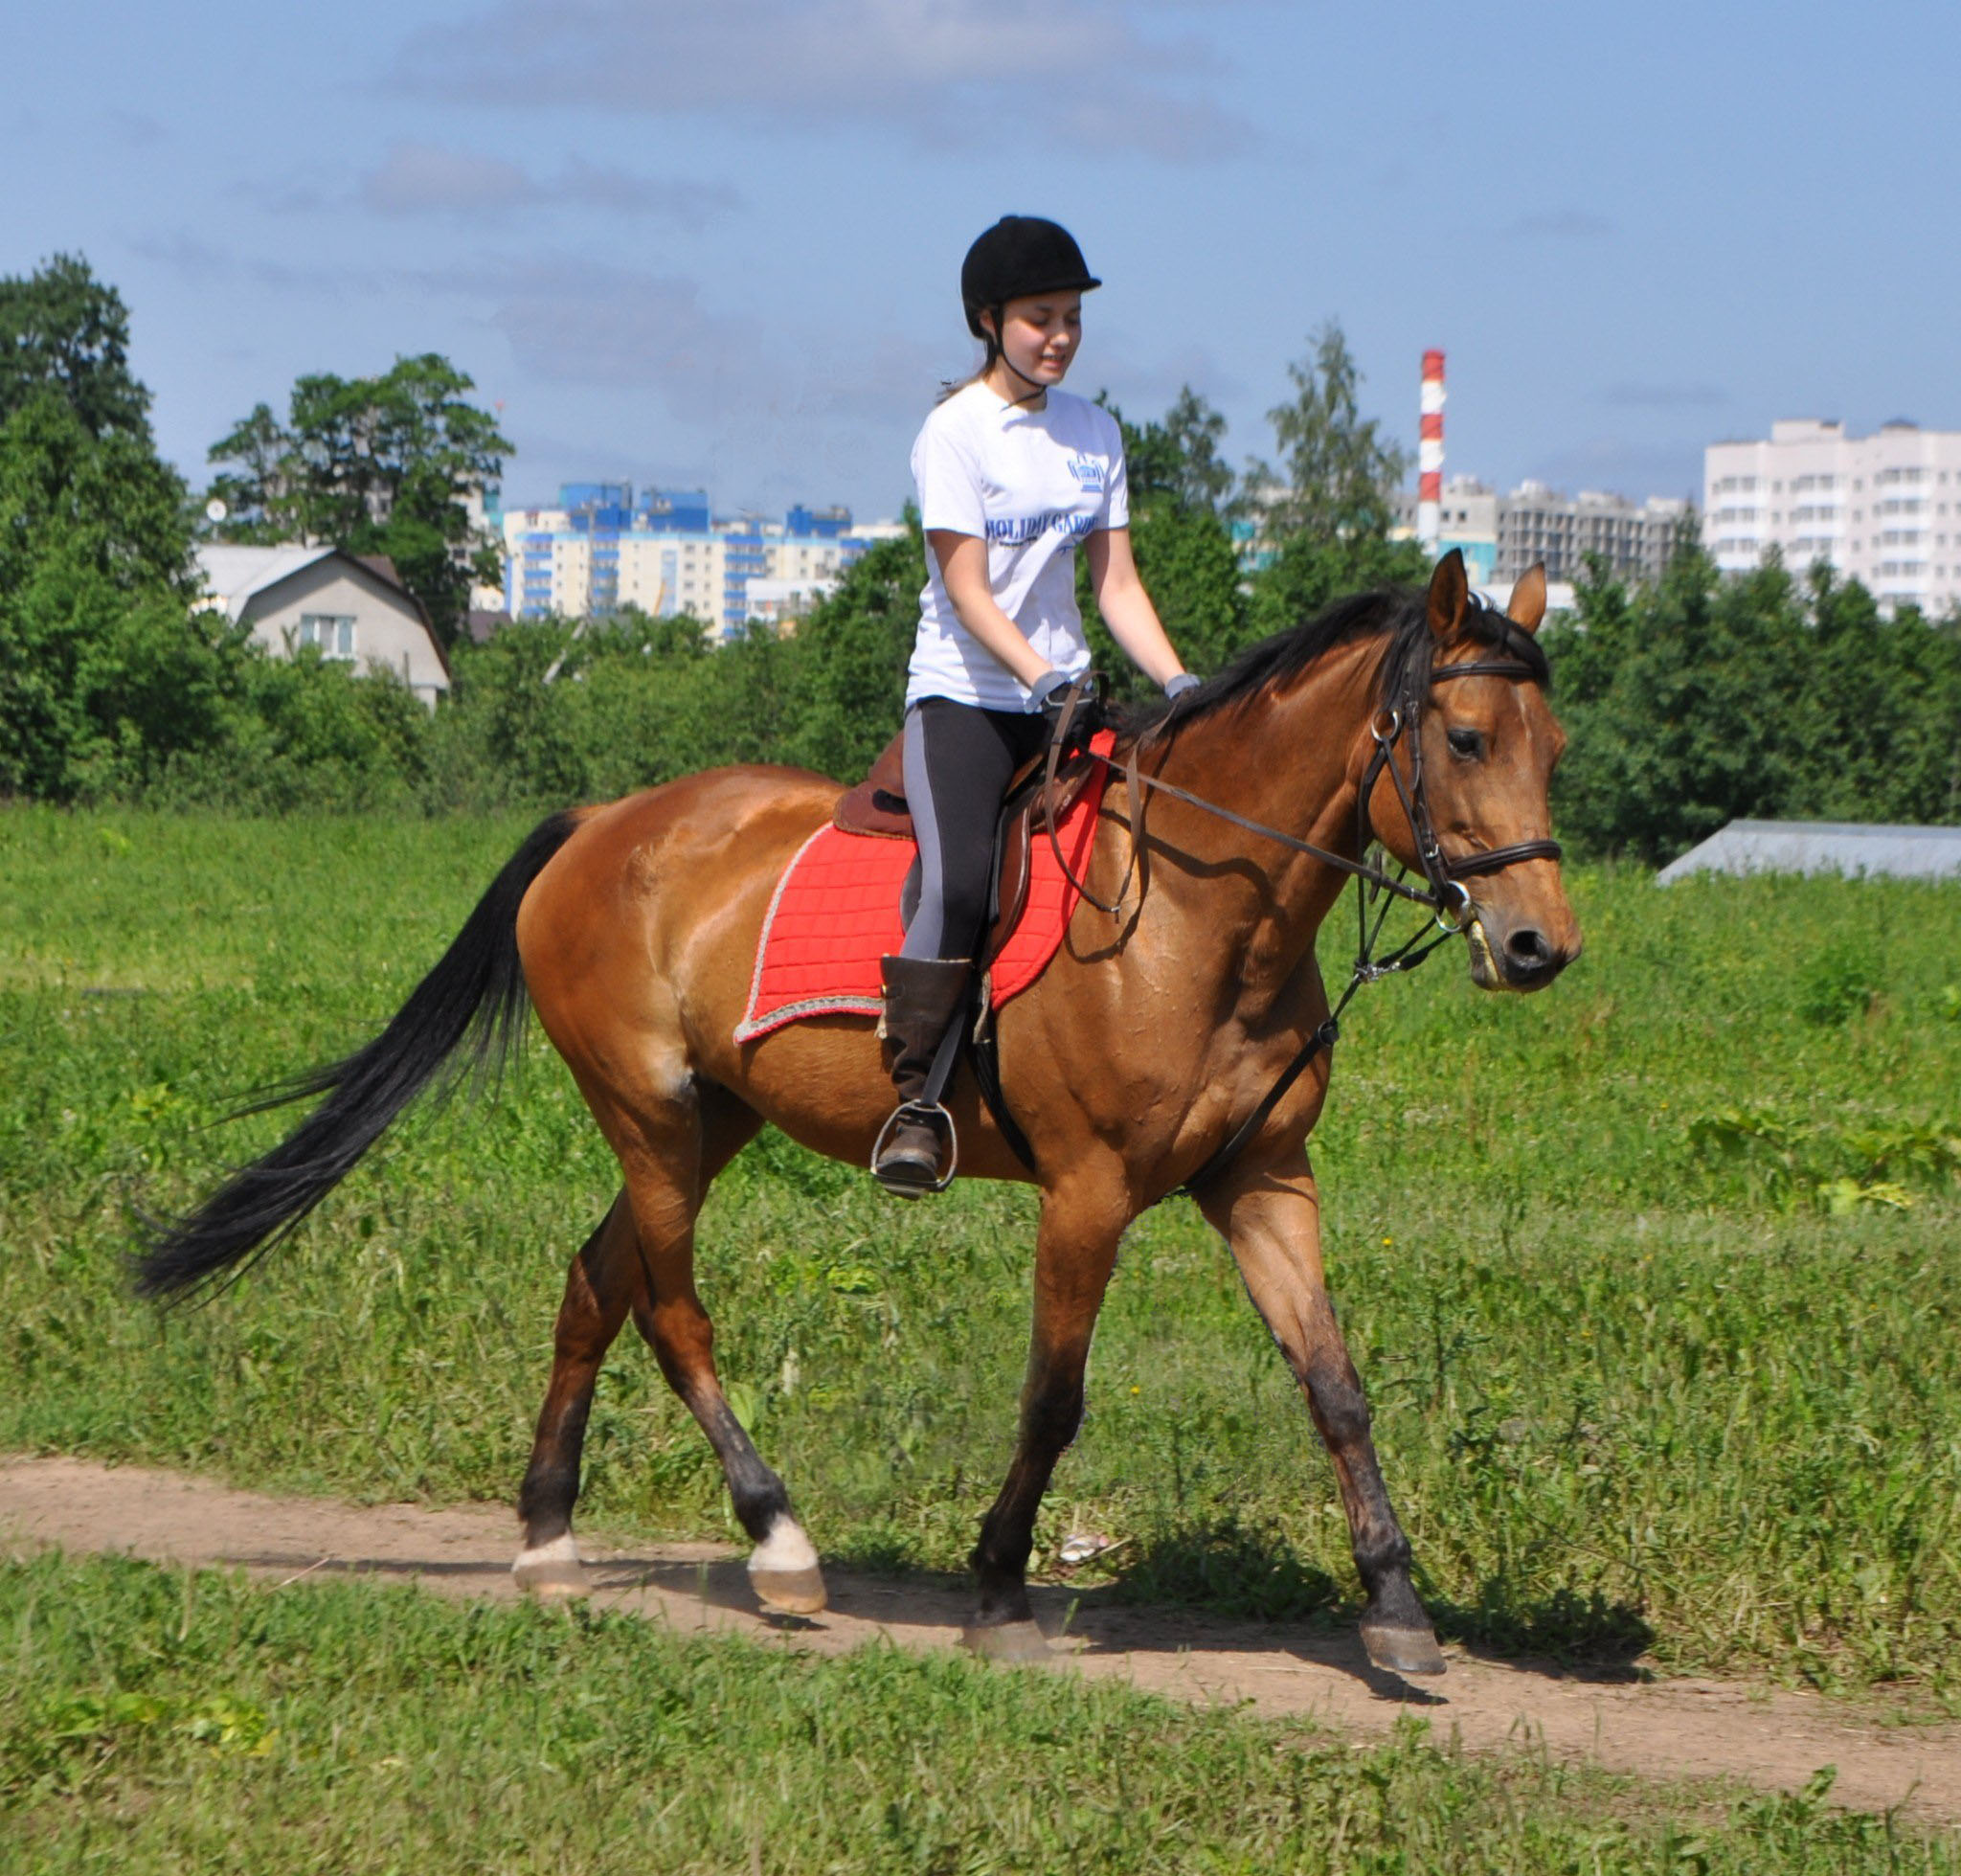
1687,702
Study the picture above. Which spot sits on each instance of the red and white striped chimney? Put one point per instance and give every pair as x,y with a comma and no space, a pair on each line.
1430,455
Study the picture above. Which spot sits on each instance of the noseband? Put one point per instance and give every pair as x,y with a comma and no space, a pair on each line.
1445,875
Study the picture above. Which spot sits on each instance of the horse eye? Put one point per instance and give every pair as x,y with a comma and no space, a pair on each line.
1466,743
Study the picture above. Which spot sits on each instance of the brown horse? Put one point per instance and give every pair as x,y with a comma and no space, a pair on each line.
1146,1044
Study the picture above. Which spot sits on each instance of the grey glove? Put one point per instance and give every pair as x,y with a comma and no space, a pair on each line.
1050,692
1177,687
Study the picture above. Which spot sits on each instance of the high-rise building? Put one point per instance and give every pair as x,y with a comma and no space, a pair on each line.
1502,536
597,550
1632,540
1883,510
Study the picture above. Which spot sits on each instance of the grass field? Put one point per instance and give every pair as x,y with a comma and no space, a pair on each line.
166,1721
1652,1278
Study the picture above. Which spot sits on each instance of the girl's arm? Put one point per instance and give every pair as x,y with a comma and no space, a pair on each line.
1126,607
963,570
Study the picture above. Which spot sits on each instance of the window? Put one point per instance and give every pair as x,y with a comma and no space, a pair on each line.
333,634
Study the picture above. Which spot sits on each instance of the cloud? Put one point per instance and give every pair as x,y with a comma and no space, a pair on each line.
1074,74
199,260
1558,225
1635,395
417,178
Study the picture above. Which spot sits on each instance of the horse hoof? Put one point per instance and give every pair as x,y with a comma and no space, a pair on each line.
551,1571
1017,1643
789,1591
784,1571
1402,1650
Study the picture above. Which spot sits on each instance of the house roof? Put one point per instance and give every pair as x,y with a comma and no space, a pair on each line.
1808,847
234,577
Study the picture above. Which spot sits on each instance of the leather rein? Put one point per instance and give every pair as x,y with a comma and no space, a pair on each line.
1446,897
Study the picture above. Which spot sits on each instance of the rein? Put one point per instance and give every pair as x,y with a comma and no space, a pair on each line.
1446,898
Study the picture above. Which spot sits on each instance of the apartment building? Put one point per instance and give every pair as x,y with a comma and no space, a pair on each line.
1536,524
1883,510
598,548
1503,536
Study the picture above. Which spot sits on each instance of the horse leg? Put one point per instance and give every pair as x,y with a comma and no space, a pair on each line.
598,1289
1075,1251
1272,1219
667,1311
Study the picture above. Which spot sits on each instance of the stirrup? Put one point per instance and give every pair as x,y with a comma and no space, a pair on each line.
926,1113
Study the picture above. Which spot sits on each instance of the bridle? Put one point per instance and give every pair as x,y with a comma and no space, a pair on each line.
1443,894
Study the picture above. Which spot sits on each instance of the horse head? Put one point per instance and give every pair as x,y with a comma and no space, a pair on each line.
1470,744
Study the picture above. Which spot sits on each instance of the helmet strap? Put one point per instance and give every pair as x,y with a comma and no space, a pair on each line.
998,349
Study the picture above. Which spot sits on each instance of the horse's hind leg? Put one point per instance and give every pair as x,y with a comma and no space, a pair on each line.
667,1311
599,1288
1272,1219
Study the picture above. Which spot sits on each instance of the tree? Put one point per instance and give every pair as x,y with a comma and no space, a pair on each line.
1700,699
1179,458
1325,515
1338,475
98,658
1180,490
98,661
845,670
65,332
383,464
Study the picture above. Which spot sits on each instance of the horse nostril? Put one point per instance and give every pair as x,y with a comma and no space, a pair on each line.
1528,948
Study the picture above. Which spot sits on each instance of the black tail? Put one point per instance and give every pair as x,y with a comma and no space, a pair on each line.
475,995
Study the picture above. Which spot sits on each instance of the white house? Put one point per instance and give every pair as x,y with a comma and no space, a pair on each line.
353,607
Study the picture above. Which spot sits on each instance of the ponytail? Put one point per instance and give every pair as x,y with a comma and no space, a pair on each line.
952,387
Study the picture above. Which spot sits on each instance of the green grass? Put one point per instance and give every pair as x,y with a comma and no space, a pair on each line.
1653,1278
165,1720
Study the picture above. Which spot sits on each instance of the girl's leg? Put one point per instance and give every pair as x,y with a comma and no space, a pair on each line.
958,761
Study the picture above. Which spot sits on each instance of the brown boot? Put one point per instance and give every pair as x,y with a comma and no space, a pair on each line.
922,997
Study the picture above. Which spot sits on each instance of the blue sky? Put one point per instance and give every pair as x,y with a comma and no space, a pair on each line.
720,243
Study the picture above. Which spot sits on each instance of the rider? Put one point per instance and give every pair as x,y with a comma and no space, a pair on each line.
1013,473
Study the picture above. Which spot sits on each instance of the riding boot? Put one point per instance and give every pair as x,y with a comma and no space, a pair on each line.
922,997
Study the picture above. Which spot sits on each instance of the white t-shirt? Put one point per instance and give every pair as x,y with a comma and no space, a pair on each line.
1032,484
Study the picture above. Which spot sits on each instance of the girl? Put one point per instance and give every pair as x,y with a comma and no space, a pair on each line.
1013,473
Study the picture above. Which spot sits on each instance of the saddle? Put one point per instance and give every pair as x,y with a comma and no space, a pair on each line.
876,807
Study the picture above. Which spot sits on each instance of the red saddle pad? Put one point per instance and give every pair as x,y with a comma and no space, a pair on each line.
836,913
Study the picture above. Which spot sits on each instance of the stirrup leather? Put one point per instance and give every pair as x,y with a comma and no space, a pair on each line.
930,1115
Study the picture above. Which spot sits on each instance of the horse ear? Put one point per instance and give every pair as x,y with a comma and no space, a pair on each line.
1527,606
1450,593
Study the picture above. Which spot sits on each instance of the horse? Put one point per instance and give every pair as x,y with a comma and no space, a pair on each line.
1194,1020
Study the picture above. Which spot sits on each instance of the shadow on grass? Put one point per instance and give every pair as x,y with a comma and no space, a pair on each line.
1244,1572
1586,1635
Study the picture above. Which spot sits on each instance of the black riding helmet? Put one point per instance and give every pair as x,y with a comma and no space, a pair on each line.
1020,255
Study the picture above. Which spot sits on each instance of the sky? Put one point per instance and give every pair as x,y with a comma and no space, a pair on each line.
719,244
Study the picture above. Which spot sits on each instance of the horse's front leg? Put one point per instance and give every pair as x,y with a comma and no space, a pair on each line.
1074,1253
1272,1219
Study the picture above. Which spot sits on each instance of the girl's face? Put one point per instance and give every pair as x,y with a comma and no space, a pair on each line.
1039,334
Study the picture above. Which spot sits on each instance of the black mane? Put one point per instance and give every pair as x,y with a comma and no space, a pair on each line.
1398,613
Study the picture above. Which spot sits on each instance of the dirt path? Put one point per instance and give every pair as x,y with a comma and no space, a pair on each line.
1700,1729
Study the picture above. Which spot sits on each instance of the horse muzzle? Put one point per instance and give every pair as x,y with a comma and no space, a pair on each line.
1516,953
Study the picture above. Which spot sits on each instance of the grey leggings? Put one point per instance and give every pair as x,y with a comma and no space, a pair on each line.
959,762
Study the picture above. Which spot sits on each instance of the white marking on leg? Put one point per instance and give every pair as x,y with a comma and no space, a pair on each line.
785,1549
557,1556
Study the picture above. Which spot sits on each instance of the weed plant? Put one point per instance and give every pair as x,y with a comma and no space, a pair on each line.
1652,1278
164,1721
